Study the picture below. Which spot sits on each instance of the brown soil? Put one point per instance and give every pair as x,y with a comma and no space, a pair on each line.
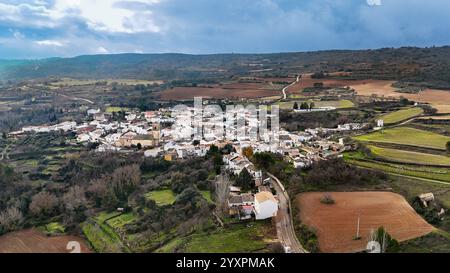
34,241
336,224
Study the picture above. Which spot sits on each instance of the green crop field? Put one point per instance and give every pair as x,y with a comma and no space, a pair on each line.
407,136
100,240
121,220
433,173
410,157
238,238
401,115
113,109
340,104
100,232
162,197
53,228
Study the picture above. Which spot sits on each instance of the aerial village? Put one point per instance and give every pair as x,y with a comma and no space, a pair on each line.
142,131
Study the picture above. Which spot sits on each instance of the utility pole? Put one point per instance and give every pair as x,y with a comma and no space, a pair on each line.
357,230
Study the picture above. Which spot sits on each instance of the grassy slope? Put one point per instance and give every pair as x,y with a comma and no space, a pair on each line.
401,115
410,157
434,242
407,136
434,173
162,197
236,238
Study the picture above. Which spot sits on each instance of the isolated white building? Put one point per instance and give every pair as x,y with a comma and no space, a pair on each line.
266,206
380,123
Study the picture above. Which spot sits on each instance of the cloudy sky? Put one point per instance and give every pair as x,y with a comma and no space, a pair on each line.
47,28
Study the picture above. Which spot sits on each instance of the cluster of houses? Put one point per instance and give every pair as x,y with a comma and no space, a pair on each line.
260,205
142,130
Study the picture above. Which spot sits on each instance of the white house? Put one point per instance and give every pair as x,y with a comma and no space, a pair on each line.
66,126
380,123
93,111
266,206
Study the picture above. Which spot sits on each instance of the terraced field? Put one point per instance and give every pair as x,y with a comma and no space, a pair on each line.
407,136
432,173
401,115
237,238
410,157
103,231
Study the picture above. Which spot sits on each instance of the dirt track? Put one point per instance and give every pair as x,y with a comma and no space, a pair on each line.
336,224
33,241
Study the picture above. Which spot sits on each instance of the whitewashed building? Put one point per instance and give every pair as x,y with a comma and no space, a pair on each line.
266,206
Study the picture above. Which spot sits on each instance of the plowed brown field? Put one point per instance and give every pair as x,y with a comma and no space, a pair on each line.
336,224
186,93
33,241
439,99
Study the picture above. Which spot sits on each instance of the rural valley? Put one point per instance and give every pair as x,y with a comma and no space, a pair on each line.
362,154
215,136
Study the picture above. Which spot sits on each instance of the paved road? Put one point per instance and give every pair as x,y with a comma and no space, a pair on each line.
285,227
75,98
284,89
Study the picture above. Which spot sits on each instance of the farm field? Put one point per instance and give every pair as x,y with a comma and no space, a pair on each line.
34,241
336,224
187,93
409,157
162,197
439,99
236,238
433,173
101,231
407,136
401,115
306,81
112,109
78,82
340,104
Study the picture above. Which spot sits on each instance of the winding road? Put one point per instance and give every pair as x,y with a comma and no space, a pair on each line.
286,88
285,226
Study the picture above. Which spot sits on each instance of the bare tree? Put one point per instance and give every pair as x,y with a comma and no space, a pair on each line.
10,218
43,203
74,198
98,188
222,192
124,181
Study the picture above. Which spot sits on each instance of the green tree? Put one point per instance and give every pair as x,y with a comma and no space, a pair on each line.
264,160
304,106
295,106
448,147
245,180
